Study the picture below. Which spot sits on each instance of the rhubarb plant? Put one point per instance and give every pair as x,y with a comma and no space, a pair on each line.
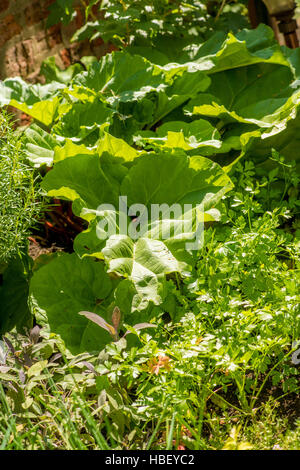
141,259
143,149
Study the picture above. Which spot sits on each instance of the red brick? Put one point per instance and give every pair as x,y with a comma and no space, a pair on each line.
28,54
25,119
35,13
21,60
23,57
40,35
65,57
41,42
54,36
11,67
8,29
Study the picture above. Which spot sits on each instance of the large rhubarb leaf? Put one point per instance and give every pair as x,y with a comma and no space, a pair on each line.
170,195
122,80
64,287
194,137
14,311
246,48
250,95
22,92
144,263
168,178
82,179
83,120
39,101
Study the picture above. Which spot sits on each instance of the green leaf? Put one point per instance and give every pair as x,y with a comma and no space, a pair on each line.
224,52
52,72
70,149
82,121
39,101
36,369
64,287
40,146
196,136
153,55
159,246
250,95
122,78
247,48
14,310
18,90
116,148
168,178
82,178
143,262
285,139
61,11
220,52
43,111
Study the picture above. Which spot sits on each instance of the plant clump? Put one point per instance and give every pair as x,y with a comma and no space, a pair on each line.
18,202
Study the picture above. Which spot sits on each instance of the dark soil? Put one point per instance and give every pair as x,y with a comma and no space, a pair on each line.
56,231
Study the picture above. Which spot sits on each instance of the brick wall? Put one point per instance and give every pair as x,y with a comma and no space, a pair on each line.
25,41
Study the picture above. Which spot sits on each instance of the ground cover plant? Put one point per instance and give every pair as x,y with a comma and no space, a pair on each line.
182,330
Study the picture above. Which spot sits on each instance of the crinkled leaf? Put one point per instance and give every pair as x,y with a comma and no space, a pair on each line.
168,178
160,247
144,262
197,135
22,92
122,78
40,146
245,48
221,51
82,121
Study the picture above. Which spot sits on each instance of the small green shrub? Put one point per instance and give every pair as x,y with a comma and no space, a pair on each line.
18,203
140,22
